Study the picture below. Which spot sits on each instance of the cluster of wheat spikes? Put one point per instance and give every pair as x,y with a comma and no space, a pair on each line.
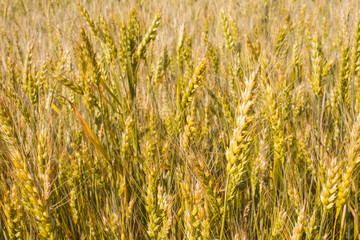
179,119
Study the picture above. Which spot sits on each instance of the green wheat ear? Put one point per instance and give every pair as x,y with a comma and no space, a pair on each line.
149,36
194,84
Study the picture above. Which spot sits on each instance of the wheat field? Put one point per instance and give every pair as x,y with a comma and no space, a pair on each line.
179,119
